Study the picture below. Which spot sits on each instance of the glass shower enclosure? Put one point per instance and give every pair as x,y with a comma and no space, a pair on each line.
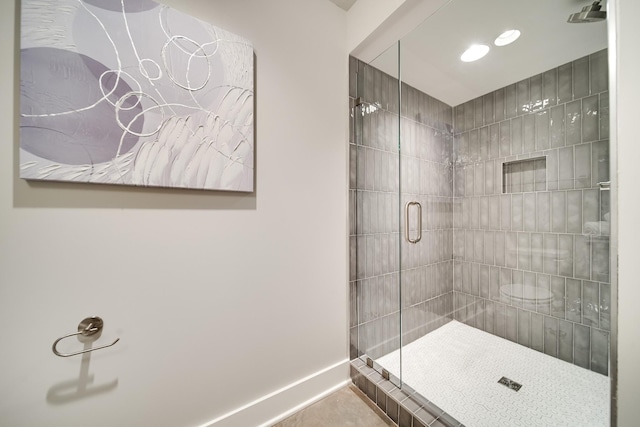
480,224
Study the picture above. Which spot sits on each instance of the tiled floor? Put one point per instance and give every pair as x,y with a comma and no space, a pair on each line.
347,407
457,367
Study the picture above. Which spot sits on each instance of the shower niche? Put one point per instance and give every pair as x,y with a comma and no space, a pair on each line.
524,176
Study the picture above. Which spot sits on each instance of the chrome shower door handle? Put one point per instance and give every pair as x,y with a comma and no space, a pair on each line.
407,228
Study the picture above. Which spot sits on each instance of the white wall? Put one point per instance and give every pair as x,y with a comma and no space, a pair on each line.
365,16
628,94
373,26
219,299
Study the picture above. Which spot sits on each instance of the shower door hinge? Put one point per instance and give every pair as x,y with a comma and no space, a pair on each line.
369,362
605,185
385,374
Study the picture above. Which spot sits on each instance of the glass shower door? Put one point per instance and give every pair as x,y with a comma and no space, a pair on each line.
404,212
426,191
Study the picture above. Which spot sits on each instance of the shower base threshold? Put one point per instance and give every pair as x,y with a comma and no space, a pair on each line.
459,368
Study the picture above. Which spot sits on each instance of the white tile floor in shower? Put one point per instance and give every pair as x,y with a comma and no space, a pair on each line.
457,367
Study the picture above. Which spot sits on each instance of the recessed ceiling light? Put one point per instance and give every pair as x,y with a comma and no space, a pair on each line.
507,37
474,53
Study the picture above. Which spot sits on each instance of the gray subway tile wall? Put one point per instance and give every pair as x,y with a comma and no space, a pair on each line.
377,250
548,229
527,261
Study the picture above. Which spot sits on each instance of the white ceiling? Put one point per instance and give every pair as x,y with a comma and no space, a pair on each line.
343,4
430,53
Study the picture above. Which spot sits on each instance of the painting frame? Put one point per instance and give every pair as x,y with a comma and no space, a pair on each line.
133,92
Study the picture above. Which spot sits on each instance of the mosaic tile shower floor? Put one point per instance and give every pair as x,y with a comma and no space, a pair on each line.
457,367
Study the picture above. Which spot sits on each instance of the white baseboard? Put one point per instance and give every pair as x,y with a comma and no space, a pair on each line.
279,404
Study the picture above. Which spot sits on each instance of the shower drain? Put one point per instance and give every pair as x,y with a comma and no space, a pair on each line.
509,383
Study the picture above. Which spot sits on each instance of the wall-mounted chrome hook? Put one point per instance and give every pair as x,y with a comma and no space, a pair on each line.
88,327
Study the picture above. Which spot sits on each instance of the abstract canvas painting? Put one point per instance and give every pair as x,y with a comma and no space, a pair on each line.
133,92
